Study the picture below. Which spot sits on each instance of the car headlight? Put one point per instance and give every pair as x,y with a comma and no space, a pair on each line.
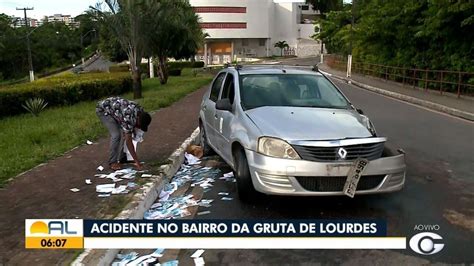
369,125
276,148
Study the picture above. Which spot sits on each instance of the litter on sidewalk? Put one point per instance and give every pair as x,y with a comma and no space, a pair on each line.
75,190
132,258
199,261
195,150
227,198
191,159
89,142
88,181
171,209
228,177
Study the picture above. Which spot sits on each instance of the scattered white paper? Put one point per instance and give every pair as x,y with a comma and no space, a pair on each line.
75,190
199,261
198,253
226,198
105,188
88,181
203,213
104,195
223,194
100,168
120,190
146,175
191,159
89,142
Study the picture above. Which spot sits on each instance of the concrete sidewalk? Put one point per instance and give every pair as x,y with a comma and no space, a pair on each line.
44,192
447,103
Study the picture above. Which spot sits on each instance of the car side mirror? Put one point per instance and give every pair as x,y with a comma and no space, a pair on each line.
224,104
360,111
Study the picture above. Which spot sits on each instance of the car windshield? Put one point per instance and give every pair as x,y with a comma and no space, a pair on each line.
296,90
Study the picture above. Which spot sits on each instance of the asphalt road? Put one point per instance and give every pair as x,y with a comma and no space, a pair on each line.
439,190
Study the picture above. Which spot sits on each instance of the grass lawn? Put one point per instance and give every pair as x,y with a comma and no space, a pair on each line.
26,141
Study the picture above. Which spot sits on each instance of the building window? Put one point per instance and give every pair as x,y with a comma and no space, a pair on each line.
262,42
223,25
219,9
245,42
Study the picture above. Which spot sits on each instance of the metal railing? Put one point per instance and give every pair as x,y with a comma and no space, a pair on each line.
456,82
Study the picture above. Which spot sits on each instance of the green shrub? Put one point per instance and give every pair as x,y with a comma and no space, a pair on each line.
185,64
63,90
119,68
198,64
174,72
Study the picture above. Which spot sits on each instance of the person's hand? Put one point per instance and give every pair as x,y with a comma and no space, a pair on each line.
138,165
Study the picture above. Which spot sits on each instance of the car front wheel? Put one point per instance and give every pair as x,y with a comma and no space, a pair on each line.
245,188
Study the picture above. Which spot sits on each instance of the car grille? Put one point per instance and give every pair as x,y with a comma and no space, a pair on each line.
370,151
336,183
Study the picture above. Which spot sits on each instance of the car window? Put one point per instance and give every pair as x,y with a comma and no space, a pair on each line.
216,87
297,90
228,92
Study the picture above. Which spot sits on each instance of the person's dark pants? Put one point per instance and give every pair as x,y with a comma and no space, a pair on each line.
116,137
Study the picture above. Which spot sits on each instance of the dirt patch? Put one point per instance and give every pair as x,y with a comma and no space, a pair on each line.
44,191
459,219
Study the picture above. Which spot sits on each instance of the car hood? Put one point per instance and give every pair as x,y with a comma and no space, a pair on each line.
301,123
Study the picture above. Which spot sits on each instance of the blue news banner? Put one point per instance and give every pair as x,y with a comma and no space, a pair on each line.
235,228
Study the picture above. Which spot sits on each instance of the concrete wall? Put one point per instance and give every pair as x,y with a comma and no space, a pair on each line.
306,31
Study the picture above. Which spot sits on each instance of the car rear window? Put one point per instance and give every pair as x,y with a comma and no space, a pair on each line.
297,90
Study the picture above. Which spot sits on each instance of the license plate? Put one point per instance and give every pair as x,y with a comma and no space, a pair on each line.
354,175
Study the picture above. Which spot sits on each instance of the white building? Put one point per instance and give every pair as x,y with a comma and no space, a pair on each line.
66,19
240,29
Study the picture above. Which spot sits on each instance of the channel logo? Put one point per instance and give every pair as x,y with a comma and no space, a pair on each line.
57,233
51,228
426,243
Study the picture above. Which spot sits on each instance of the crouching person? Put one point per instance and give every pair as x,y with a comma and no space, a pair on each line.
122,118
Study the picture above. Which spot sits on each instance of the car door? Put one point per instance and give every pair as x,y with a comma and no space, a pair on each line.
209,108
225,118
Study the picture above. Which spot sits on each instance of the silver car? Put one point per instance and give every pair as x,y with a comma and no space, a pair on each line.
290,131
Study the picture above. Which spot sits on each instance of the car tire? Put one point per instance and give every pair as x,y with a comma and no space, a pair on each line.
206,149
245,188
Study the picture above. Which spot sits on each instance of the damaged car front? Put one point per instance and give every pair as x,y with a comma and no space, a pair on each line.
308,139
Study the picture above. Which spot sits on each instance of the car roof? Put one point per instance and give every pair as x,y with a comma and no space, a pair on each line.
274,69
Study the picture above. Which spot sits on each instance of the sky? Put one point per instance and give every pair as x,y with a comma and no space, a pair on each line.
45,7
50,7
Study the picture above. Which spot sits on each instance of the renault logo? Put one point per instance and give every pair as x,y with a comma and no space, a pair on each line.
342,153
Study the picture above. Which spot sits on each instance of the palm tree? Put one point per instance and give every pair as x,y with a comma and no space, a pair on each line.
177,35
282,45
128,21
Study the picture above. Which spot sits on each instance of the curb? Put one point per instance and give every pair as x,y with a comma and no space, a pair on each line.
430,105
141,202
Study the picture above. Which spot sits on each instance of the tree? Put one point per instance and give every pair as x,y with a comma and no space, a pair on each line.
417,34
282,45
53,45
325,6
128,21
174,33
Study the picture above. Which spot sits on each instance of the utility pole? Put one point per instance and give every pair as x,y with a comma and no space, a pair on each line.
349,57
30,59
82,45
